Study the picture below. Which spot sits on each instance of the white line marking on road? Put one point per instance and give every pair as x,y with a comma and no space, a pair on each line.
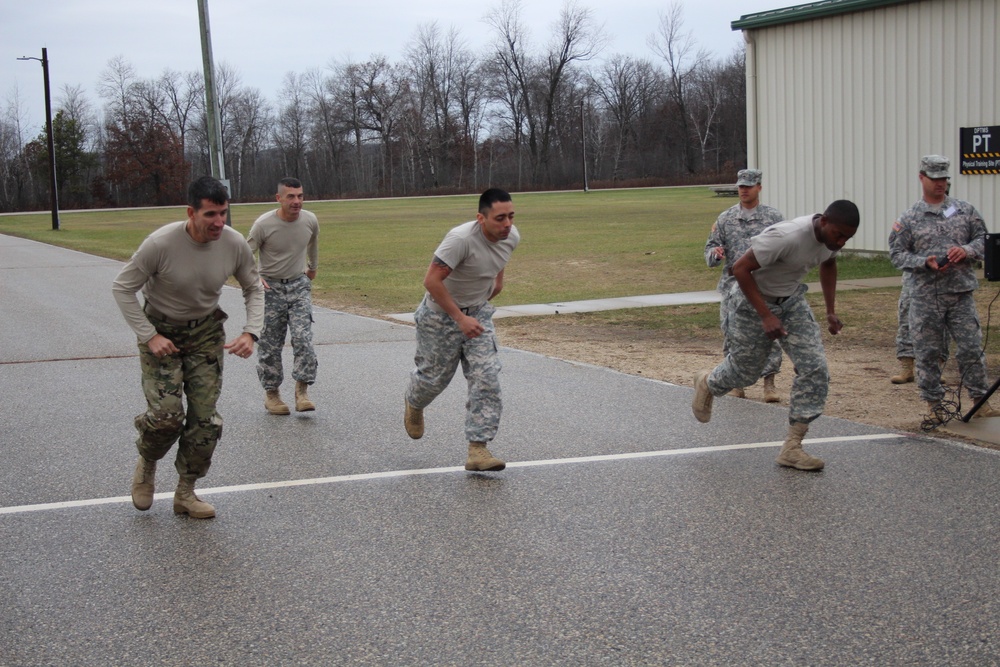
360,477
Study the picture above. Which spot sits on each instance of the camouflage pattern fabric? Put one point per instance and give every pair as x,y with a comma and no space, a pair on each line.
904,342
732,232
749,349
942,301
441,346
925,230
197,372
932,319
287,308
773,365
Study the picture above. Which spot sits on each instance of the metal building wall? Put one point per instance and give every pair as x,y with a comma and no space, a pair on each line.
843,107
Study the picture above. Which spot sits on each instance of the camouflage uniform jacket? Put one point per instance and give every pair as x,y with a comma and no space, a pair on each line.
924,230
732,231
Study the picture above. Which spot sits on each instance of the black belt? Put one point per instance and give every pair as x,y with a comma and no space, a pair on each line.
777,299
469,310
284,281
190,324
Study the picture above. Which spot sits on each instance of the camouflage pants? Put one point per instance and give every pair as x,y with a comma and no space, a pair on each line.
904,342
932,319
773,365
197,371
441,346
749,349
287,308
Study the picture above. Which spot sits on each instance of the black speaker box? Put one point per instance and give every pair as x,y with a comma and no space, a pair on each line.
991,257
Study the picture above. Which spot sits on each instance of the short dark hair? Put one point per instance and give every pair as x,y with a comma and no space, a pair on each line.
490,197
843,212
208,188
290,182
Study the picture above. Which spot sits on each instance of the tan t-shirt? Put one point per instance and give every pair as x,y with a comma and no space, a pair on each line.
474,262
285,249
183,279
786,252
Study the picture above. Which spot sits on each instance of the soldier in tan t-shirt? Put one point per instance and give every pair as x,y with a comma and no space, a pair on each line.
771,305
181,269
286,241
455,325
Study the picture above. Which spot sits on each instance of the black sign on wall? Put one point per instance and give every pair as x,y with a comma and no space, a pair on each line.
980,150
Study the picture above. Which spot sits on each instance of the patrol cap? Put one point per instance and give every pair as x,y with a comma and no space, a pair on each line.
748,177
935,166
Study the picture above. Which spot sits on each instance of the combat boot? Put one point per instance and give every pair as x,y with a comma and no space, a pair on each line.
413,420
142,484
302,402
185,502
770,393
739,392
702,403
905,371
481,459
792,456
274,404
937,412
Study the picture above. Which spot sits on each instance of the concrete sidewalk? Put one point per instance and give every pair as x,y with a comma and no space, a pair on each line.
676,299
623,532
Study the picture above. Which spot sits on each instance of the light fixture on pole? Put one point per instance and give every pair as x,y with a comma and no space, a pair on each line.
53,189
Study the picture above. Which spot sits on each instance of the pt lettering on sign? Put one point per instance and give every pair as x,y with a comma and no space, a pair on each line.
980,150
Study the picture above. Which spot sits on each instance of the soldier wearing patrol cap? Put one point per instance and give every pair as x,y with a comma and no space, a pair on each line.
937,240
728,240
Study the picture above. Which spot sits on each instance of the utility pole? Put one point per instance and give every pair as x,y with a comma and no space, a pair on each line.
53,186
583,143
216,156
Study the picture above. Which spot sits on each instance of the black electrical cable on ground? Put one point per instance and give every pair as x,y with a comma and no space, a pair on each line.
948,410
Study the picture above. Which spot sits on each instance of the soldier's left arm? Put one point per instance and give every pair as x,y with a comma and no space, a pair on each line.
312,252
828,282
975,249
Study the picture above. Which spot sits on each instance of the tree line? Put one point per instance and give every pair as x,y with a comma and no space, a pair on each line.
444,119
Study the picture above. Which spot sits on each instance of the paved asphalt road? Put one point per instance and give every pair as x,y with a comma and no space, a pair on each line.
623,532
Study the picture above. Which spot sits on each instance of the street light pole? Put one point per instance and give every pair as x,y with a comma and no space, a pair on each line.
216,154
583,144
53,187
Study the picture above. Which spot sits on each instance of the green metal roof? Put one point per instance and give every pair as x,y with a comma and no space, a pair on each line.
808,12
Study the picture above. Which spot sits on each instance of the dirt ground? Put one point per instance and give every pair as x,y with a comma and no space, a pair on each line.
860,368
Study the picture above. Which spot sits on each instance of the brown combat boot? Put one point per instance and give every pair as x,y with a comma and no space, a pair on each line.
936,412
792,456
770,393
739,392
413,421
302,402
185,502
905,371
702,403
481,459
142,484
274,404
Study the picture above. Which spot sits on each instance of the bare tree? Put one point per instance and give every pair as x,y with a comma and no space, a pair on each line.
291,130
706,98
16,180
182,97
678,50
626,87
538,87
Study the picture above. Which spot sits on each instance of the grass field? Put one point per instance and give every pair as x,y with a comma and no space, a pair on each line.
374,253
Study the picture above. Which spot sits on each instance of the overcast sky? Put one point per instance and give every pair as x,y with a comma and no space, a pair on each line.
264,40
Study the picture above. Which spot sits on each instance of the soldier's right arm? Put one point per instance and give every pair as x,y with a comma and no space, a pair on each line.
900,248
715,247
